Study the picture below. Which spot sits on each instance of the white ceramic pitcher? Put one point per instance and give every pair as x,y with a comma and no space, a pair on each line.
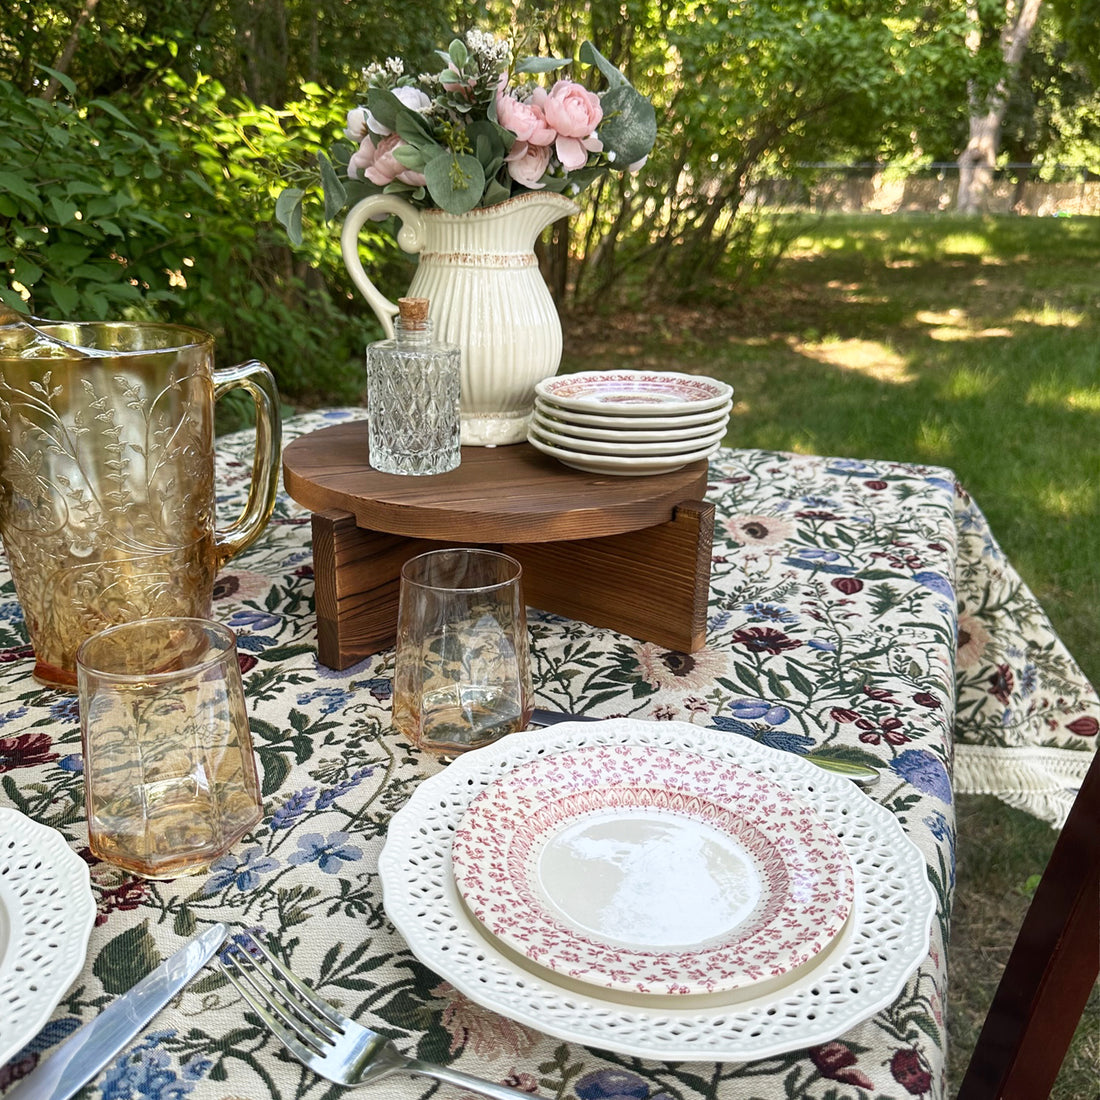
487,295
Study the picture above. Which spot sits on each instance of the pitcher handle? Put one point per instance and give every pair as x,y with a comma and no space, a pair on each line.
409,237
257,380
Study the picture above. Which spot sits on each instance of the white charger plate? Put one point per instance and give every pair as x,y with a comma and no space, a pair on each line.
619,465
652,870
636,392
864,969
627,434
46,915
627,448
618,421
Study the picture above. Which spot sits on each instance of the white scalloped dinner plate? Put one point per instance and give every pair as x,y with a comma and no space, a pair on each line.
634,392
46,915
618,422
862,971
652,870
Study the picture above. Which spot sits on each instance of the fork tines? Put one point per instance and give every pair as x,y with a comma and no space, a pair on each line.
289,1007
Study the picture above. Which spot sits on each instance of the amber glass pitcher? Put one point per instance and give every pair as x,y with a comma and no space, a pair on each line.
107,476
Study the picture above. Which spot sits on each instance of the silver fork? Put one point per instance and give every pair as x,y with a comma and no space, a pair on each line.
328,1042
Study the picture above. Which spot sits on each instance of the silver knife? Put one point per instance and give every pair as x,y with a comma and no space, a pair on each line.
84,1053
862,775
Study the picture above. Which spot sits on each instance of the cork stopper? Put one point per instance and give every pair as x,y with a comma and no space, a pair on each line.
414,311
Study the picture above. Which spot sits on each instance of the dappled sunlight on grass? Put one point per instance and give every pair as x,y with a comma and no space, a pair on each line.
968,382
972,244
1052,392
1084,400
955,324
935,440
1066,501
1048,316
870,358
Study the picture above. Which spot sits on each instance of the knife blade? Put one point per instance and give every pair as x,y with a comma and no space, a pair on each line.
84,1053
863,775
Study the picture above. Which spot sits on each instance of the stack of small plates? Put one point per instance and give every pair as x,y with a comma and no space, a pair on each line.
630,422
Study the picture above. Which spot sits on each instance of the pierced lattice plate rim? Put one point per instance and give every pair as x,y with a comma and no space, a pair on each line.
46,915
886,939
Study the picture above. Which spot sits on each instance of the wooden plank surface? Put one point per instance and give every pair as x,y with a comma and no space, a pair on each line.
497,494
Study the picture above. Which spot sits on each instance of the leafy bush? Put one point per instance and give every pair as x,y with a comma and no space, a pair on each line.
76,239
162,208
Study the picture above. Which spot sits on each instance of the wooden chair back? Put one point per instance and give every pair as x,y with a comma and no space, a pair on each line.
1051,970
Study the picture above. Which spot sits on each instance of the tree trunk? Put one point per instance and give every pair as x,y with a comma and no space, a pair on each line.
66,59
979,159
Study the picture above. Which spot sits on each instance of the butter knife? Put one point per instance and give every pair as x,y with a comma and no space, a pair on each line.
84,1053
862,775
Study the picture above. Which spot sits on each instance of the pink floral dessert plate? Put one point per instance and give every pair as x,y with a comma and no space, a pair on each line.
637,392
652,870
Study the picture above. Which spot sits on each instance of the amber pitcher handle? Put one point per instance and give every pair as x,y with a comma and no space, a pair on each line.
257,380
409,238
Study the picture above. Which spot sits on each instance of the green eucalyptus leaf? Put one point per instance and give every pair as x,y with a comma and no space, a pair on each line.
589,55
458,53
456,181
288,213
489,137
411,126
495,192
540,64
335,193
629,127
410,157
561,186
384,105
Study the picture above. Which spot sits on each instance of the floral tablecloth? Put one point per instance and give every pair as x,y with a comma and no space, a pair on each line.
839,589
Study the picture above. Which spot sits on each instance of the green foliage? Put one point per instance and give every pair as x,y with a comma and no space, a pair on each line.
113,212
76,237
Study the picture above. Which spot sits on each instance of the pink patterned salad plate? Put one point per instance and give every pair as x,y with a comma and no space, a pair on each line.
652,870
634,392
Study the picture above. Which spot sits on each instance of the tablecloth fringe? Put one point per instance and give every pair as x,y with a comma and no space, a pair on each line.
1041,781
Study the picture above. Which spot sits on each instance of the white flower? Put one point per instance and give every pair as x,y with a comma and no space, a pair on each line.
356,128
413,98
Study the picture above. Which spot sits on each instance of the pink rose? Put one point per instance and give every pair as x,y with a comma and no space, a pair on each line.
527,164
574,112
378,164
525,120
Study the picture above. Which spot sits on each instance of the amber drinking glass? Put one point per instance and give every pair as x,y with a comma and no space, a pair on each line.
107,476
462,675
169,778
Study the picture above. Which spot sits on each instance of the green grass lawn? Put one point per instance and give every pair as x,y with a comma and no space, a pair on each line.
972,344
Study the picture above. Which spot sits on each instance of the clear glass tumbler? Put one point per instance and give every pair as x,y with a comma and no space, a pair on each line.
413,393
169,778
462,675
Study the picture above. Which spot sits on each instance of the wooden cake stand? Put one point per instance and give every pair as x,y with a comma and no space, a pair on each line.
628,553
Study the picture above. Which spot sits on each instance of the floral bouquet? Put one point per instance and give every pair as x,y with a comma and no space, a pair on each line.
480,131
